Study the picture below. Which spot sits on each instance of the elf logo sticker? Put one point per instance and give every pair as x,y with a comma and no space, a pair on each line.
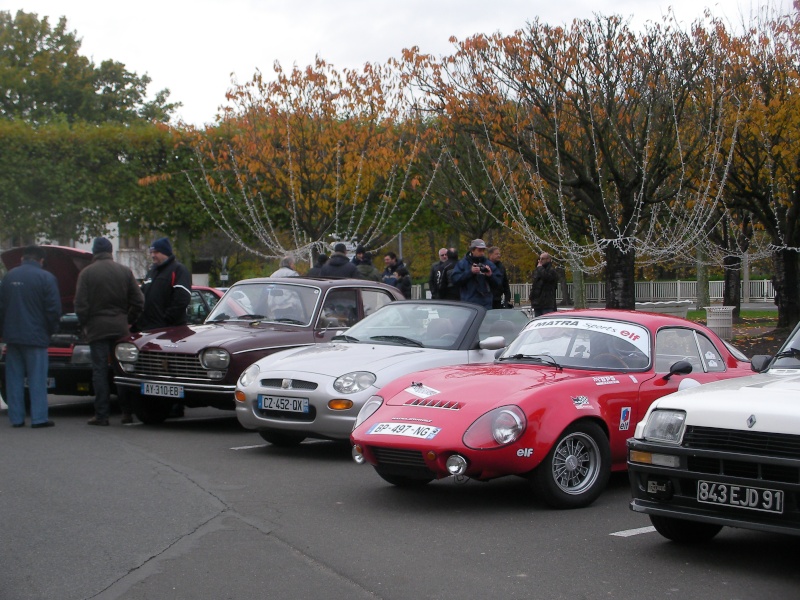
625,419
525,452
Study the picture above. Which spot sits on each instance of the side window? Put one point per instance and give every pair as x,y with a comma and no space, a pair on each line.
340,309
711,356
196,311
211,299
676,344
373,300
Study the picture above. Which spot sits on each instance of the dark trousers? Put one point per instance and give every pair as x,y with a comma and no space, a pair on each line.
100,351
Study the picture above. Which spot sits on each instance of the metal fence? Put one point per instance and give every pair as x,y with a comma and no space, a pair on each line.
650,291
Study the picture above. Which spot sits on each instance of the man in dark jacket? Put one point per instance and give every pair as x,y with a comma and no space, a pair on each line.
167,289
339,265
447,289
392,263
316,270
30,307
476,276
501,295
435,277
107,301
543,290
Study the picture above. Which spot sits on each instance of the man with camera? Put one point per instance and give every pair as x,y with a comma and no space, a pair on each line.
476,276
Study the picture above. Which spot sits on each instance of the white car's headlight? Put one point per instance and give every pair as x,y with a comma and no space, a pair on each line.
126,352
249,376
665,426
369,408
81,355
357,381
215,358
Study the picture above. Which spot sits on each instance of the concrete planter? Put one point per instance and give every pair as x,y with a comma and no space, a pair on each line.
679,308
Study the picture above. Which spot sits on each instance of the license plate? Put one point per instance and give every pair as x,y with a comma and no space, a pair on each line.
751,498
162,389
425,432
298,405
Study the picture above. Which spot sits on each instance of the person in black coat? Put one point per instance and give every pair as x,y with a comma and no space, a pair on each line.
543,290
316,270
501,295
338,265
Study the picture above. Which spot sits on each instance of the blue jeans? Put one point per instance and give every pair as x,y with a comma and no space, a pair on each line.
30,361
99,351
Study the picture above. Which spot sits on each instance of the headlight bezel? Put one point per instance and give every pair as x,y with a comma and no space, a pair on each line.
665,426
126,352
354,382
369,408
216,359
484,433
249,376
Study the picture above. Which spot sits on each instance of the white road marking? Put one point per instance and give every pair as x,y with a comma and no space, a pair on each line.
250,447
631,532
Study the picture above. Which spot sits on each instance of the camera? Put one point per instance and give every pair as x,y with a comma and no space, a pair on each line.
483,268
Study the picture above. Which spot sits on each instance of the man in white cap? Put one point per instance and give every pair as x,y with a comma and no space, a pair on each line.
476,276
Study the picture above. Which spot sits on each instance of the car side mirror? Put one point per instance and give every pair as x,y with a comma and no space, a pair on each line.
494,342
760,362
682,367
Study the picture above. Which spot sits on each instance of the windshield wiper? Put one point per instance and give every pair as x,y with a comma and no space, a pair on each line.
345,338
544,359
397,338
288,320
249,317
789,352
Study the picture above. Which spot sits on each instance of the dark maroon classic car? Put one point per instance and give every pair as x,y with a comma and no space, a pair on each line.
198,365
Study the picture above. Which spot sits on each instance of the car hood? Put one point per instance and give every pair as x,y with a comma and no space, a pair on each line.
234,337
63,262
773,400
334,359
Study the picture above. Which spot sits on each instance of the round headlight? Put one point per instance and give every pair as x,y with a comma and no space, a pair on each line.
357,381
81,355
126,352
369,408
215,358
250,375
665,426
498,427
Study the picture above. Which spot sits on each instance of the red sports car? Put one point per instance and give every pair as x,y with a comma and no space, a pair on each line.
556,406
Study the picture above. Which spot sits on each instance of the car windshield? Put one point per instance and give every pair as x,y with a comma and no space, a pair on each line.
422,325
582,343
269,302
789,355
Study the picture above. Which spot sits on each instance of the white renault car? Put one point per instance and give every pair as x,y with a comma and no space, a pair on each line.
317,391
726,454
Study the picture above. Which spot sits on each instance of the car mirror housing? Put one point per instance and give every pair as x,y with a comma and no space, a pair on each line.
760,362
494,342
682,367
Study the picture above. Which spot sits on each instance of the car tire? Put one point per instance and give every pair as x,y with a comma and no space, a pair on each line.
402,480
281,438
150,411
683,531
577,468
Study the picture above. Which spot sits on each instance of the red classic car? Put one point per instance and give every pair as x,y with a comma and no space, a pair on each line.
69,370
198,365
556,406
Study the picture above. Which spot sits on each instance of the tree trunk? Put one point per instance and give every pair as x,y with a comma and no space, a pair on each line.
578,289
562,282
787,287
731,293
620,278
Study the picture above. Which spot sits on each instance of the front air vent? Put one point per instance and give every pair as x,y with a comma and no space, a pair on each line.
429,403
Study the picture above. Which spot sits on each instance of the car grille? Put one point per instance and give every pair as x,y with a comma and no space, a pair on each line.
294,384
429,403
404,458
747,442
162,364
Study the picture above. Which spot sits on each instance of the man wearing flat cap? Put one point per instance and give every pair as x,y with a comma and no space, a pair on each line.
476,276
107,301
167,289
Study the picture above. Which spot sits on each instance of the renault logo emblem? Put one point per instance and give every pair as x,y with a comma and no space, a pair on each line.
286,384
751,421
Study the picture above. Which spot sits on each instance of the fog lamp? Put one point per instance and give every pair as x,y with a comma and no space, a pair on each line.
240,396
456,464
358,456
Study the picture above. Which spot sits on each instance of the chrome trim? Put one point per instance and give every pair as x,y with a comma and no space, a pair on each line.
187,387
276,348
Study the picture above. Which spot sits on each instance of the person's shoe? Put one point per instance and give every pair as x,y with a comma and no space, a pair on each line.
18,424
96,421
127,418
45,424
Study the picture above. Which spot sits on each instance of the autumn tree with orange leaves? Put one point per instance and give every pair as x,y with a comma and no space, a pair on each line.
617,132
314,156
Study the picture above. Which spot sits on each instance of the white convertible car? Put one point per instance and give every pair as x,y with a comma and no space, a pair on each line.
723,454
317,391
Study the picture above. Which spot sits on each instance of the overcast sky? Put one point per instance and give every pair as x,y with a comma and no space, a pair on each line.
194,47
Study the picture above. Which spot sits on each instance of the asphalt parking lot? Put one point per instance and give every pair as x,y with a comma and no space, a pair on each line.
200,508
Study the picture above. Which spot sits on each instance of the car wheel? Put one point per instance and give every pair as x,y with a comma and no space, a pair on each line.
402,480
680,530
282,439
151,411
576,469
